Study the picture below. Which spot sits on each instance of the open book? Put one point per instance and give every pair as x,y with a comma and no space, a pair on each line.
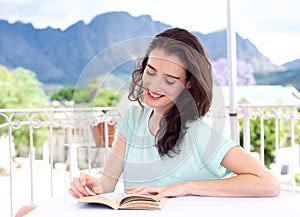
117,200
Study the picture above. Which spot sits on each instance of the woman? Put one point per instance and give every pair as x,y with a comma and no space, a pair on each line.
163,146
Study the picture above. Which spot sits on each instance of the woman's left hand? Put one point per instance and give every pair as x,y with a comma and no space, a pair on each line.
173,190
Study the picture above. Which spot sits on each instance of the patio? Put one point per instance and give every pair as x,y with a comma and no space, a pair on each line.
70,148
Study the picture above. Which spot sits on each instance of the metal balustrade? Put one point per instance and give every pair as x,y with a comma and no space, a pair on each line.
290,116
72,128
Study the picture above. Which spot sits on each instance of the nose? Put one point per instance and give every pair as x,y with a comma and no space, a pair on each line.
156,83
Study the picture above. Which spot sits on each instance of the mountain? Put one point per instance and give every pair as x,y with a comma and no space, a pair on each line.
65,57
290,77
216,45
293,64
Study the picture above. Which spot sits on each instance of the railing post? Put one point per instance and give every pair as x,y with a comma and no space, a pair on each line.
293,160
50,146
32,158
262,137
72,155
276,136
10,167
286,112
246,129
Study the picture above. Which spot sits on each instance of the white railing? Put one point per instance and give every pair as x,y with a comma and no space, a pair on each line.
71,128
289,113
286,132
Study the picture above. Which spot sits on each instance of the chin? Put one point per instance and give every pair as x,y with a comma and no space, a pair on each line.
150,104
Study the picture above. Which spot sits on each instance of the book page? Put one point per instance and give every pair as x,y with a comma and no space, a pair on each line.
137,197
109,199
115,196
117,200
142,202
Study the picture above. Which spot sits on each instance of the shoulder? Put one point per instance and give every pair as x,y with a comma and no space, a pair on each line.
136,112
215,126
205,131
134,116
198,125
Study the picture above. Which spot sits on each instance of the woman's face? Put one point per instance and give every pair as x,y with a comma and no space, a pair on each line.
163,79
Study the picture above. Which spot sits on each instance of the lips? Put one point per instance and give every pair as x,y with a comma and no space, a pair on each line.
153,95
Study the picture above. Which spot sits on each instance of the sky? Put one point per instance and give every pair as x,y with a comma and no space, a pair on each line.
272,26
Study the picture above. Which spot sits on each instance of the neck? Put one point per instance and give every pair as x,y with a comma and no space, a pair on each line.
153,122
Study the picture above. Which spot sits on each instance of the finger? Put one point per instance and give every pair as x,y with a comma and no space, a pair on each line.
159,196
83,179
89,191
129,188
149,190
97,190
134,189
74,192
146,190
78,188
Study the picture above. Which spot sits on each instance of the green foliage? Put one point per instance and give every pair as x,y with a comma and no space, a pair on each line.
285,130
107,98
255,140
297,177
8,96
22,135
64,94
90,95
93,88
82,95
22,90
269,137
78,95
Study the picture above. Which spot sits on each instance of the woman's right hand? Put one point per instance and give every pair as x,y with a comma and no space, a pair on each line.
79,184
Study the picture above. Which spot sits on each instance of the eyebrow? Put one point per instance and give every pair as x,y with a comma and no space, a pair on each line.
153,68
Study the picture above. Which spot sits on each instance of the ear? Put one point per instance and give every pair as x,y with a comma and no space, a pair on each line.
188,85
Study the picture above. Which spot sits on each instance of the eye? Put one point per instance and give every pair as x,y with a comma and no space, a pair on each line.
150,73
170,82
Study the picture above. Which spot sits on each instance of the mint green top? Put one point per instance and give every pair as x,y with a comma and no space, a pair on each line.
200,152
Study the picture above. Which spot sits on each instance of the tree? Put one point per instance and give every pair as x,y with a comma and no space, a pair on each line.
8,95
76,94
107,98
244,73
64,94
269,138
23,90
82,95
93,88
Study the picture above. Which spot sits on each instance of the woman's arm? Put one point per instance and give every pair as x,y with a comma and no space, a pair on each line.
252,179
114,166
110,175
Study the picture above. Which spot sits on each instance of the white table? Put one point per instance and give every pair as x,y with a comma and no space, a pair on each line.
181,206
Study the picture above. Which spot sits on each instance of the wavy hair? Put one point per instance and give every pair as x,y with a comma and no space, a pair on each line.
192,103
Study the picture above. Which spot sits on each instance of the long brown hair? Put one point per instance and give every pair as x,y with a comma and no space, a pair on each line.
191,103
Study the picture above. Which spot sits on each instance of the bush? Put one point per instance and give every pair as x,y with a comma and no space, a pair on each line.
297,177
269,138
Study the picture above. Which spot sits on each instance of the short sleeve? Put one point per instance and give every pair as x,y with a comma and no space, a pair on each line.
214,164
211,147
132,121
123,126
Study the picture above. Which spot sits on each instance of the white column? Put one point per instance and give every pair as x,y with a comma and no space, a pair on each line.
232,72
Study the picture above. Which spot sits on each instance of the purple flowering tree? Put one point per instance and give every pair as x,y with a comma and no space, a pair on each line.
244,73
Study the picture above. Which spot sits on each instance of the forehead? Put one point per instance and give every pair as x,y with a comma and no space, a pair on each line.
166,63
